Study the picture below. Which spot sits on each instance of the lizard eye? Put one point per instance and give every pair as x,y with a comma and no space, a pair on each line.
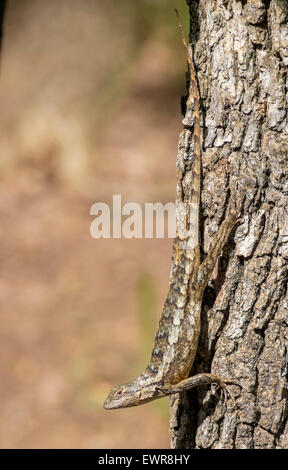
119,393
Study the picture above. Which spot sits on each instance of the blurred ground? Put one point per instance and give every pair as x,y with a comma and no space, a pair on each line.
77,126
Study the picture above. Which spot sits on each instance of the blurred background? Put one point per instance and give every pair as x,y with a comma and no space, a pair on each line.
89,107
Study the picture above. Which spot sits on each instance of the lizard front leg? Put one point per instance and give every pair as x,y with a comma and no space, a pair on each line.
199,380
195,381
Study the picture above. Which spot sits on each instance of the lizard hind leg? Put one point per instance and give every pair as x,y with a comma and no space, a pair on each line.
218,242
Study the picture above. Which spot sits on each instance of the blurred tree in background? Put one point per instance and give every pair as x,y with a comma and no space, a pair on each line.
66,68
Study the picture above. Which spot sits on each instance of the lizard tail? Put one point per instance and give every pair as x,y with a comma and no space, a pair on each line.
194,93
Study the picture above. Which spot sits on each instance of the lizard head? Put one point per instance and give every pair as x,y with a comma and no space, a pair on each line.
130,394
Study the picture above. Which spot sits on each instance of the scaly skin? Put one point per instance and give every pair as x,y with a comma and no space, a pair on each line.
177,337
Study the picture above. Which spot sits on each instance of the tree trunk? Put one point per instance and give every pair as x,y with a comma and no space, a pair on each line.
241,55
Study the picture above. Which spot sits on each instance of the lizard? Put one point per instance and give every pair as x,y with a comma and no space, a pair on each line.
176,340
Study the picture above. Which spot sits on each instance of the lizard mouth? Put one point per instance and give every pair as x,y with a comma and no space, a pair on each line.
108,406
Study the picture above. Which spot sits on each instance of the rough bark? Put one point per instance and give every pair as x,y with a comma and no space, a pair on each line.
241,55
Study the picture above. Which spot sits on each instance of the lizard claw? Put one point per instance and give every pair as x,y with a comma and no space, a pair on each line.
226,392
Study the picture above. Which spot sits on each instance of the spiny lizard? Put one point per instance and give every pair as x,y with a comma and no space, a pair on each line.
177,337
